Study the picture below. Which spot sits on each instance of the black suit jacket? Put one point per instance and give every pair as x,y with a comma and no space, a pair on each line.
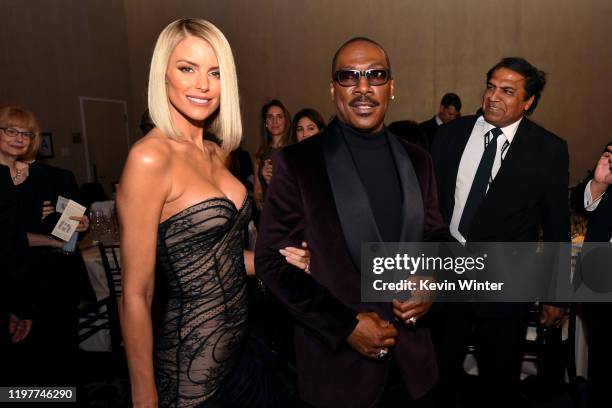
411,132
429,128
529,192
316,196
599,228
597,315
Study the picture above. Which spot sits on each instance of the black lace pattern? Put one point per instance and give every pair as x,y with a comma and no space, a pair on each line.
204,321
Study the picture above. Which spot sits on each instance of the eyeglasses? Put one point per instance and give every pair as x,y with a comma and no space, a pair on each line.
12,132
351,77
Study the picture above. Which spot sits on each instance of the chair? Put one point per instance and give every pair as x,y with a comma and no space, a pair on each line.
112,268
104,314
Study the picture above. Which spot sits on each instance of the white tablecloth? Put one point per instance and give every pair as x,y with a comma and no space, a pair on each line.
97,277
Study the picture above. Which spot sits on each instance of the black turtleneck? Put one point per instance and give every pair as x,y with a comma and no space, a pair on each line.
378,173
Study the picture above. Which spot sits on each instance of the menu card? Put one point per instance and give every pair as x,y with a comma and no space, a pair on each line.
65,227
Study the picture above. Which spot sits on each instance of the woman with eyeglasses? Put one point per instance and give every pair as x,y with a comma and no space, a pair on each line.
16,284
19,144
307,122
50,348
276,133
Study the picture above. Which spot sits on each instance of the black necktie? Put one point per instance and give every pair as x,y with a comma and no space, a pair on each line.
480,184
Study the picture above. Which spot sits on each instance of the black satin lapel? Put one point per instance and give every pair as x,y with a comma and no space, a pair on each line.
352,203
412,229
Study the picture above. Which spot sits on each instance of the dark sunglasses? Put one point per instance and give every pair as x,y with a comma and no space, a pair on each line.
351,77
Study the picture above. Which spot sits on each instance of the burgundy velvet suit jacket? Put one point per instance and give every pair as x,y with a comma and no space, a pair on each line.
316,195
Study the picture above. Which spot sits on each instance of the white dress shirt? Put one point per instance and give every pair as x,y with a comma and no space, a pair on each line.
469,164
589,203
439,121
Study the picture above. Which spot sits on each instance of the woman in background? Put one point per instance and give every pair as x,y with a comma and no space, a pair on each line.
307,122
48,354
276,132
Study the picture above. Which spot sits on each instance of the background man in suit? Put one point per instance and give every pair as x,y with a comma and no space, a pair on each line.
500,178
598,201
410,131
353,183
450,109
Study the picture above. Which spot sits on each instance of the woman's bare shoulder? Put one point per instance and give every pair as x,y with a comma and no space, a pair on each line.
152,151
148,167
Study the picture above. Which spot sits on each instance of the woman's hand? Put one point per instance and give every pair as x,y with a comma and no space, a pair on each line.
298,257
83,223
47,209
266,171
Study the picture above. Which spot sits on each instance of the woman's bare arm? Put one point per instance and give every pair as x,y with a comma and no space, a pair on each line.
143,189
249,262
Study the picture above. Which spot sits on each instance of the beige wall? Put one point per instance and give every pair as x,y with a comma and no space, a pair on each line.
283,49
56,50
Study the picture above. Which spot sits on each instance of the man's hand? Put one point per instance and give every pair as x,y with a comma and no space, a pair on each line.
411,310
552,315
19,328
603,170
371,334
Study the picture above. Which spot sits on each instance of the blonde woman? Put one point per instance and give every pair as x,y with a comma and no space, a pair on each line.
181,208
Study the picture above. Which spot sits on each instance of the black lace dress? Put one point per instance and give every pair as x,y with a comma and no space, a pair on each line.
204,318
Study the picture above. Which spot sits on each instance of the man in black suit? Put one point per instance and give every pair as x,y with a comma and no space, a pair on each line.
501,178
450,109
355,182
598,201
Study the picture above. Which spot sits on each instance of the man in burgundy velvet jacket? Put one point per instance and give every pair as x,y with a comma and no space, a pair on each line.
353,183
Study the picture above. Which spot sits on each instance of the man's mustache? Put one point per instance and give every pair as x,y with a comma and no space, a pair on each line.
363,99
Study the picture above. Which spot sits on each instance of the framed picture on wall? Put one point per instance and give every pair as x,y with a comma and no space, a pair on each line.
46,146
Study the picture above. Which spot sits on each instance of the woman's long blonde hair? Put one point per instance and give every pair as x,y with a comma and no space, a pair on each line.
226,123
